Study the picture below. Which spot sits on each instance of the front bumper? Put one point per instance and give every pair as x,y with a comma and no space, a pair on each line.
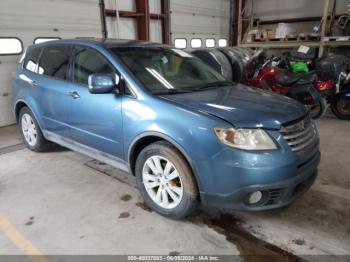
276,194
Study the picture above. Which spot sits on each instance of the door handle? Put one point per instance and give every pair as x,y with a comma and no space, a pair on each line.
74,95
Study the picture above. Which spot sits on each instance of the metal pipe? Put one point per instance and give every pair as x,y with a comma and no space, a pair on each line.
118,18
103,19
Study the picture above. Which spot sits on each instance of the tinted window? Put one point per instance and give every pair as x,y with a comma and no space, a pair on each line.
54,61
163,70
31,60
87,62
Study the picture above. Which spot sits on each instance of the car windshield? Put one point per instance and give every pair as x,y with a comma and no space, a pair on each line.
169,71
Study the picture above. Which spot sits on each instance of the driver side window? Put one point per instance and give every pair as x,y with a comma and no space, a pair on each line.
87,62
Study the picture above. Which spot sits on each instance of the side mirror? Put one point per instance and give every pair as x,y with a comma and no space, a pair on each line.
103,83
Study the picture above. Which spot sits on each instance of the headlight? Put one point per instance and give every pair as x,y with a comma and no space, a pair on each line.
247,139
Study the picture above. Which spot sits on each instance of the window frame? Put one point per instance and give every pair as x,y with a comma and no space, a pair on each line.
46,37
196,38
222,45
72,68
39,57
180,38
69,62
13,37
210,46
72,63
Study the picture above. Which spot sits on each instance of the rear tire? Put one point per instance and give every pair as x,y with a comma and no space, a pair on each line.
341,108
166,181
31,133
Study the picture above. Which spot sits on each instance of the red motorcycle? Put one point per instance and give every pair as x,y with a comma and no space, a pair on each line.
264,73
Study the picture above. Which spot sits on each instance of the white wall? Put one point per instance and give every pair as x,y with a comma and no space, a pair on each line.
200,19
28,19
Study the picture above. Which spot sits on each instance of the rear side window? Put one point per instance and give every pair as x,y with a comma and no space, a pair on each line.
87,62
54,61
31,60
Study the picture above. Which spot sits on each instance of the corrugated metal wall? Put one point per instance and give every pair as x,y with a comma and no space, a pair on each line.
28,19
200,19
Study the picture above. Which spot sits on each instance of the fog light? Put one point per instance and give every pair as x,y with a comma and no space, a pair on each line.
255,197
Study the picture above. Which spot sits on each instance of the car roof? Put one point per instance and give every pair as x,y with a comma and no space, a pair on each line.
108,42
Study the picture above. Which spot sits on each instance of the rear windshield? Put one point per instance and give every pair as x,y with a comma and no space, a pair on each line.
163,70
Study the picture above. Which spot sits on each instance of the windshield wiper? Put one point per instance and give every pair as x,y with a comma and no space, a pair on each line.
213,84
171,91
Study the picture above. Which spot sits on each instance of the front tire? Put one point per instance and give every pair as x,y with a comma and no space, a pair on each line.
32,136
341,108
317,111
166,181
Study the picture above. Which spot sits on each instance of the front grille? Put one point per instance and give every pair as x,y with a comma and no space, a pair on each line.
299,135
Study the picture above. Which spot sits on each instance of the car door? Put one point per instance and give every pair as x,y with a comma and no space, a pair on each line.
95,120
53,88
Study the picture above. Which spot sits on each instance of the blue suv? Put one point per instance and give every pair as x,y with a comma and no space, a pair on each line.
186,133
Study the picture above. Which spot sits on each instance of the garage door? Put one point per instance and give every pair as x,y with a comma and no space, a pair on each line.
200,23
41,18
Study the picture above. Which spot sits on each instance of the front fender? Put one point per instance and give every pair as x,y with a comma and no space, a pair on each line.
191,132
345,94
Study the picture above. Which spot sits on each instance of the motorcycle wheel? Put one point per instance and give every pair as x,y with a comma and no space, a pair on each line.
341,108
318,110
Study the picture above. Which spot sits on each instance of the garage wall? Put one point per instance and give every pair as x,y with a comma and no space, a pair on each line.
127,28
28,19
200,19
285,9
41,18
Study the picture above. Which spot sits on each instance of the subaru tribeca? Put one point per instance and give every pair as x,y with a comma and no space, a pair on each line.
186,133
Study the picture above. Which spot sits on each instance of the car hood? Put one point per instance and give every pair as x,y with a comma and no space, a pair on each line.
243,106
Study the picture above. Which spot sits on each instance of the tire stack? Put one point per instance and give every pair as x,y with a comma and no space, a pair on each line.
228,61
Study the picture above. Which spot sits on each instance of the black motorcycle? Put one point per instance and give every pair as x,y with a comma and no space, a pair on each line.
340,103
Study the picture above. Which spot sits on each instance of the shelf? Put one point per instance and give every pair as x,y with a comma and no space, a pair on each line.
286,44
336,43
291,44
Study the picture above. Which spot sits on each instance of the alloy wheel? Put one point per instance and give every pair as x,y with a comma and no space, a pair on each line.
162,182
29,129
344,107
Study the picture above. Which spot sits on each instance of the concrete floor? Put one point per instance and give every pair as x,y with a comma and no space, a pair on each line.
61,202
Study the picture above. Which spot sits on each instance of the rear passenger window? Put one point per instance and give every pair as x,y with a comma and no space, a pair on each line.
87,62
31,59
54,61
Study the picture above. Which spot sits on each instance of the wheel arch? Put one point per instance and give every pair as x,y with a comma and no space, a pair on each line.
19,105
147,138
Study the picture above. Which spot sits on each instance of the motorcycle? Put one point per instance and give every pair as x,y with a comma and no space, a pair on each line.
333,79
262,72
340,103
